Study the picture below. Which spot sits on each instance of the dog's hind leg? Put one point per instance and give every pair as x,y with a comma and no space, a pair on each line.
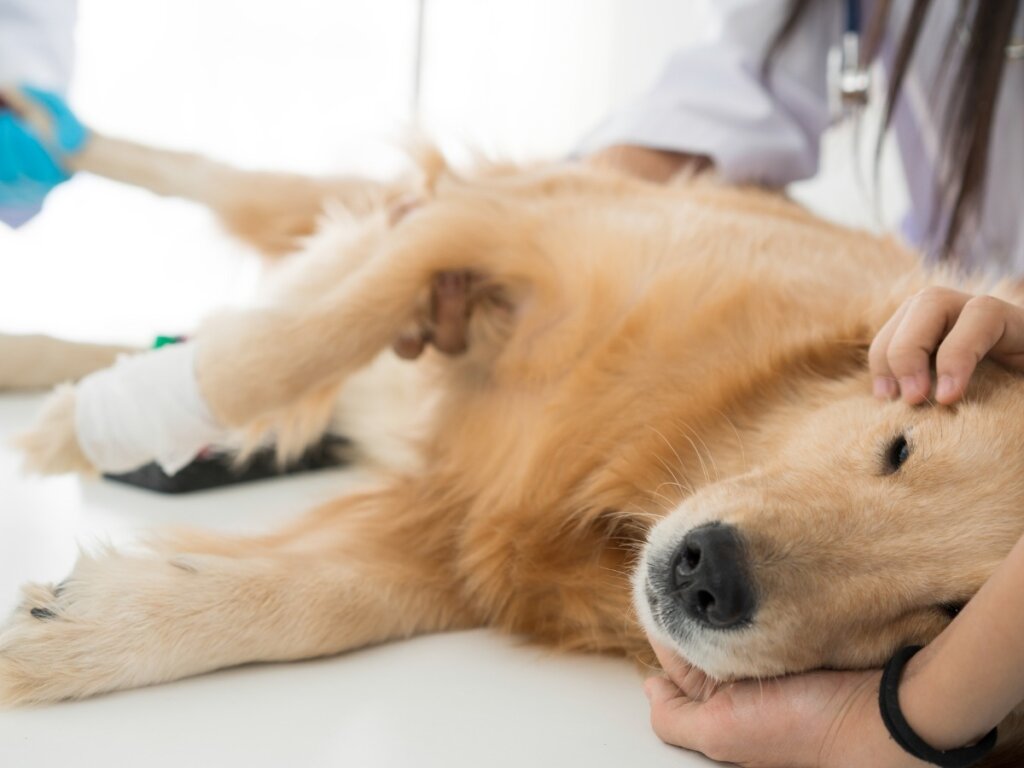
39,362
276,369
255,363
271,211
360,571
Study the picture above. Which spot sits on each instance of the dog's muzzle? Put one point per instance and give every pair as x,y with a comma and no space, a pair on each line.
709,580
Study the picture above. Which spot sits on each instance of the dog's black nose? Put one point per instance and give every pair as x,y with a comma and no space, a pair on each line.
711,578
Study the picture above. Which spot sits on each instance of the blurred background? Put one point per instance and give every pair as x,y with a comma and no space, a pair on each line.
322,86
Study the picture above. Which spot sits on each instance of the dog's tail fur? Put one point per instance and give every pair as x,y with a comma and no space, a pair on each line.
274,212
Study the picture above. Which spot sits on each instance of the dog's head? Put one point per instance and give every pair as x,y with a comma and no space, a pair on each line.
869,527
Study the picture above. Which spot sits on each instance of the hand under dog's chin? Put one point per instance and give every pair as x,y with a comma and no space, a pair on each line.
716,660
721,655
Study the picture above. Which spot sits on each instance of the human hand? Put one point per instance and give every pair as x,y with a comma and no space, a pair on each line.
655,165
812,720
960,329
37,132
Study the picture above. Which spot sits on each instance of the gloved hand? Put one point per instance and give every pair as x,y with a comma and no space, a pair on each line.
38,132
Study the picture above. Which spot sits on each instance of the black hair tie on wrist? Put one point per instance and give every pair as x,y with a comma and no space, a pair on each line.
903,734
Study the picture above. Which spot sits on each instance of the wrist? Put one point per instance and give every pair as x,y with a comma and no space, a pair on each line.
859,737
912,742
645,163
926,705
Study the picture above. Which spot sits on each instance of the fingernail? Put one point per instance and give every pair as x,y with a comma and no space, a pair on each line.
947,389
884,388
908,386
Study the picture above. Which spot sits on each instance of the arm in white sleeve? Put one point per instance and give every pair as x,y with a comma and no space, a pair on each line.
36,49
37,42
711,99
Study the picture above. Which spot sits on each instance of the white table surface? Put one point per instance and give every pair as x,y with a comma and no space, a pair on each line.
465,699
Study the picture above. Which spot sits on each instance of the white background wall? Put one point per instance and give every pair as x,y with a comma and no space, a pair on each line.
316,86
307,83
528,78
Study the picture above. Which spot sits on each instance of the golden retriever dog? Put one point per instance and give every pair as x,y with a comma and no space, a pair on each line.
662,422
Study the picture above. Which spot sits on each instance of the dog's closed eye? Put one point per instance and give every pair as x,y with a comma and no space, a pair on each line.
896,454
952,610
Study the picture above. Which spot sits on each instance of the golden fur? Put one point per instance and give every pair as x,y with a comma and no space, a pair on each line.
642,359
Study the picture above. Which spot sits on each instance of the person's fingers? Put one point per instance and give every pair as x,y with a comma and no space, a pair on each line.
33,116
66,130
674,717
1009,350
450,311
884,384
675,666
979,329
928,318
691,681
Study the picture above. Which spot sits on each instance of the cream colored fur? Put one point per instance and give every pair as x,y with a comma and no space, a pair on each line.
641,360
34,361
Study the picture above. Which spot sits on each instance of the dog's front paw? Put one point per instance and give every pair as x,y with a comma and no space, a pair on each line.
25,651
51,447
59,642
121,621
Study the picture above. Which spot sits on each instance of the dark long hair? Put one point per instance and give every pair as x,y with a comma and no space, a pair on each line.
983,29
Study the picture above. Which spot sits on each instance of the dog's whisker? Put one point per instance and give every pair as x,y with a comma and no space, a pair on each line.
700,458
739,440
696,451
707,450
667,503
672,473
634,511
686,490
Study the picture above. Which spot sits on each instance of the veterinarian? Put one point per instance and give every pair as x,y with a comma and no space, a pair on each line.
753,105
36,46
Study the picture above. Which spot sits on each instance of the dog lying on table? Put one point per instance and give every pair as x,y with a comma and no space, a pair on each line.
661,421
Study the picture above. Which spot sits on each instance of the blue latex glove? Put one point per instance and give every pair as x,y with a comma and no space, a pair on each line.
31,165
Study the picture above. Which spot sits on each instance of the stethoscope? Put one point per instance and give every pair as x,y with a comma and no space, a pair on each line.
849,74
849,86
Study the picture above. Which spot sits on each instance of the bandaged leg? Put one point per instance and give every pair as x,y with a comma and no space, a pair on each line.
146,408
251,369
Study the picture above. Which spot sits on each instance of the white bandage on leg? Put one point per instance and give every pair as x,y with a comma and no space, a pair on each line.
146,408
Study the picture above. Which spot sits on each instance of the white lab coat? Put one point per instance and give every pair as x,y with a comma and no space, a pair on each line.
36,48
37,42
711,100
